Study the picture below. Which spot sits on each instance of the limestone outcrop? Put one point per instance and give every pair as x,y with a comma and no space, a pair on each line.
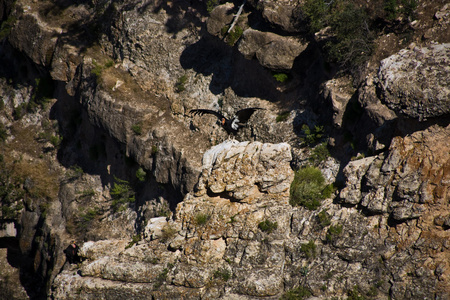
97,144
414,82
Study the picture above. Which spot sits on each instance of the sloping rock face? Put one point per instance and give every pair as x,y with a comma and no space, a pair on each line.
414,82
216,248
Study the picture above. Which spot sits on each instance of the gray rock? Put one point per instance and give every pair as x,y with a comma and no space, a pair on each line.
271,50
414,82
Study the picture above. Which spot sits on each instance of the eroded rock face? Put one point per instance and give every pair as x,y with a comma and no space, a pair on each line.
216,247
242,169
271,50
414,82
411,177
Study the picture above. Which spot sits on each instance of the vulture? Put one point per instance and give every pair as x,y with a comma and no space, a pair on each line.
230,125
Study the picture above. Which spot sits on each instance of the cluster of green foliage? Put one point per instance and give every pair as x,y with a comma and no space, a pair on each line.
268,226
283,116
308,188
211,4
324,218
319,154
353,39
140,174
98,69
396,8
136,238
168,233
137,128
180,85
309,249
312,136
222,274
86,217
333,233
232,36
202,218
281,77
74,172
296,294
121,194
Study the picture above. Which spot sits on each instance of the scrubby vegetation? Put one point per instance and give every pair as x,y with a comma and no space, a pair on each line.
283,116
296,294
308,188
122,194
268,226
333,232
309,249
180,84
202,218
232,36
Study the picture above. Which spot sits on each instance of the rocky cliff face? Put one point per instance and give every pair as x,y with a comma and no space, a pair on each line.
97,145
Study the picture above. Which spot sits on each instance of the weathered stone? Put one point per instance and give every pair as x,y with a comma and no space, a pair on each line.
284,14
414,82
220,16
271,50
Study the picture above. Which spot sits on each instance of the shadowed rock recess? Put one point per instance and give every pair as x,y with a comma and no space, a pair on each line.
97,145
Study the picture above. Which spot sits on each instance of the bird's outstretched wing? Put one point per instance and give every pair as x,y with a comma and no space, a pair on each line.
201,112
242,116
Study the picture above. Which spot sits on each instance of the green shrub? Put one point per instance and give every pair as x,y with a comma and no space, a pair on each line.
268,226
296,294
140,174
281,77
312,137
232,36
353,40
202,219
319,154
137,128
168,233
283,116
333,233
56,141
324,218
87,193
307,188
75,171
180,85
86,217
309,249
134,240
211,4
121,194
222,274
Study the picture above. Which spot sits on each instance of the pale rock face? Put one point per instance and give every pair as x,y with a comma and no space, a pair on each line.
245,169
154,228
414,82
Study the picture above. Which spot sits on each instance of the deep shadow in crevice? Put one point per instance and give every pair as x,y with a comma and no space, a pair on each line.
247,78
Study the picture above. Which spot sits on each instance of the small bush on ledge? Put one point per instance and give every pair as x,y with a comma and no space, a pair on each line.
267,226
308,188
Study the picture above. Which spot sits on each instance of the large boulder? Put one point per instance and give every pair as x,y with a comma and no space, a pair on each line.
414,82
271,50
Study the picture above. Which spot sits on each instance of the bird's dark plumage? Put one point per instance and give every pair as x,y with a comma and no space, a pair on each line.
230,125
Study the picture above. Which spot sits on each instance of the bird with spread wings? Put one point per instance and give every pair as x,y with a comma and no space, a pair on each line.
232,125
